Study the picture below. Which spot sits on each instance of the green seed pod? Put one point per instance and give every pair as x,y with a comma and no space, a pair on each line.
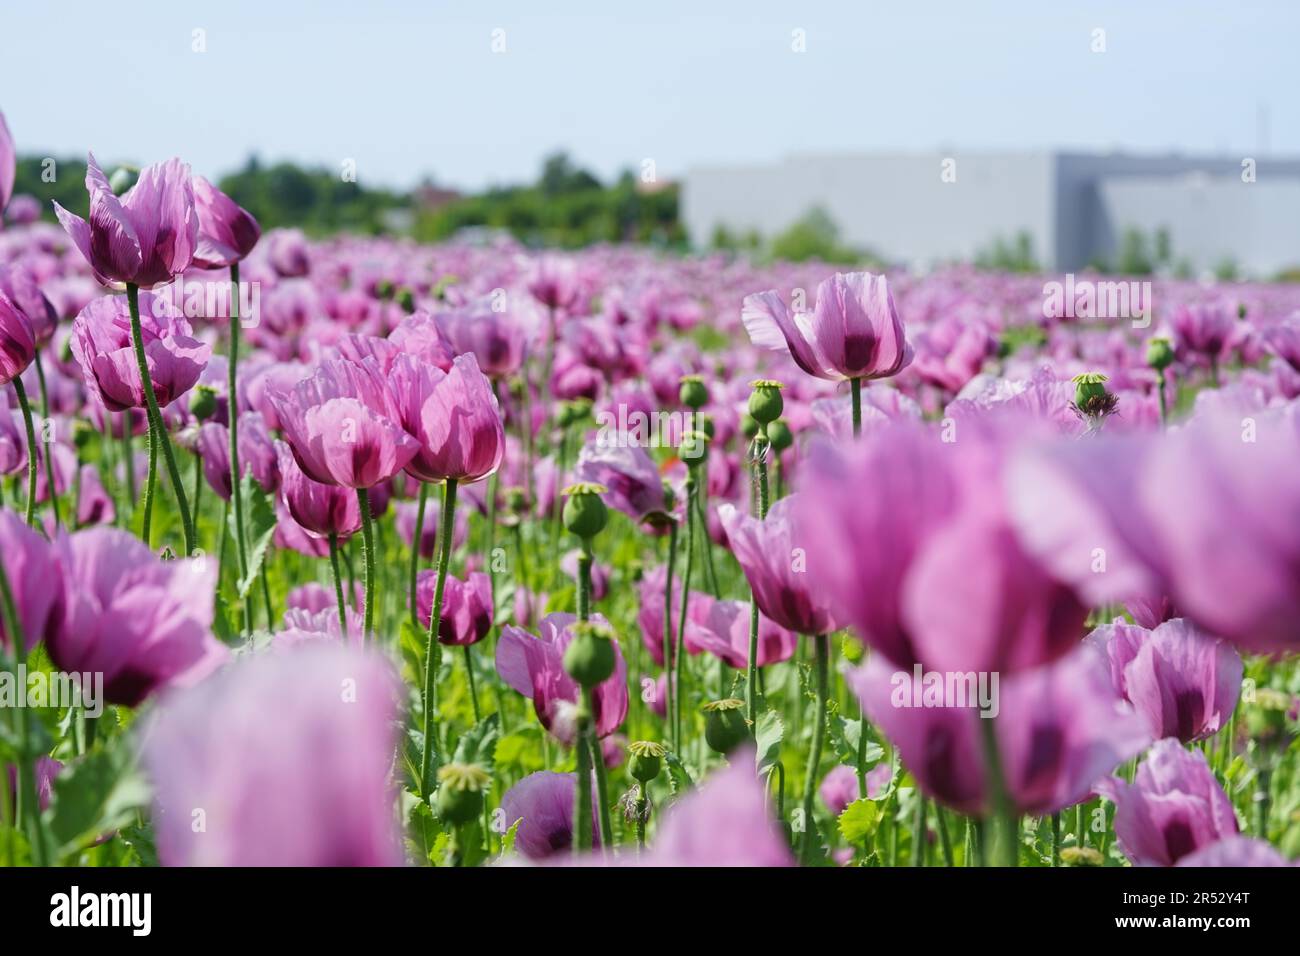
693,392
694,448
460,792
1160,354
589,658
384,289
779,434
1088,387
516,500
585,513
1241,310
406,299
645,760
765,403
748,426
123,178
704,423
203,402
725,727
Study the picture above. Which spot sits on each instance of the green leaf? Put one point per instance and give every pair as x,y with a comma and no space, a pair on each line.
480,743
508,839
259,517
859,821
679,780
767,734
93,795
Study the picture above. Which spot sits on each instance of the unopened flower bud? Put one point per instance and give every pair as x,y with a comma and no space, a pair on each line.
1160,354
693,392
589,659
203,402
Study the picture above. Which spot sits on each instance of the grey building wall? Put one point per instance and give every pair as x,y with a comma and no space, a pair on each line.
1075,206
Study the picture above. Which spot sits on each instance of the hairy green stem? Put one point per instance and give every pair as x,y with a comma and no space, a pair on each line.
446,518
31,450
49,446
821,644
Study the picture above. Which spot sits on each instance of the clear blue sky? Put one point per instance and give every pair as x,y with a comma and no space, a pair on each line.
414,88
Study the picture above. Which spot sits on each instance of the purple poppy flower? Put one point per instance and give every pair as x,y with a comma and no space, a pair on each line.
634,484
147,237
405,515
227,231
534,666
17,341
1236,851
13,438
853,331
288,252
102,345
727,821
1060,728
343,425
1202,329
257,454
47,768
542,806
23,290
319,509
420,335
35,577
453,417
721,628
466,606
145,624
772,553
289,758
499,340
1184,682
1284,341
1173,807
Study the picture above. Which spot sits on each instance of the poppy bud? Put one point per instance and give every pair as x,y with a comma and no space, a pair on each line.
123,178
406,299
704,423
203,402
645,760
585,513
1160,354
725,727
460,792
748,426
384,289
779,434
765,404
694,393
694,447
589,659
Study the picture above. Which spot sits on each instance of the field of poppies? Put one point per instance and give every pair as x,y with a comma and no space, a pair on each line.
364,552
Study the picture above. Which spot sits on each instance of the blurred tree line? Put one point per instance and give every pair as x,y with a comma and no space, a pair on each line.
568,207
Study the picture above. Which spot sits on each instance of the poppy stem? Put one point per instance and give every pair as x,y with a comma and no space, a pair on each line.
414,574
338,584
27,800
159,430
919,832
473,690
668,632
446,519
860,758
1005,831
150,487
49,447
686,598
584,580
640,816
822,647
582,779
602,784
367,558
758,459
31,450
232,417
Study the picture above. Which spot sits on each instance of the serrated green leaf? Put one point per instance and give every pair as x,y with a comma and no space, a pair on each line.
679,780
859,820
768,733
259,520
480,743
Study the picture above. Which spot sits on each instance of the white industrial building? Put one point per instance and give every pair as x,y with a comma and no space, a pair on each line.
925,209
